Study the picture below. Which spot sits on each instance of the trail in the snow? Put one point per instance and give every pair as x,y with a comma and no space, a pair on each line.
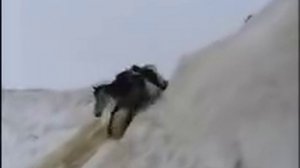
78,150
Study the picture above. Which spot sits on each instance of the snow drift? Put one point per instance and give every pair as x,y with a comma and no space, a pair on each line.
233,104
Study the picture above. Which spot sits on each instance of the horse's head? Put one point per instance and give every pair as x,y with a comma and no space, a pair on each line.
101,99
150,73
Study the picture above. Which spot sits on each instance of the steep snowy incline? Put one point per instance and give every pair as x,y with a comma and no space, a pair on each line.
232,104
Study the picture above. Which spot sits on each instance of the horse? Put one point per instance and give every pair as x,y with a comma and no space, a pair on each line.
132,90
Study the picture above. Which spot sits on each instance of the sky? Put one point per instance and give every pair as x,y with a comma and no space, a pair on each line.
68,44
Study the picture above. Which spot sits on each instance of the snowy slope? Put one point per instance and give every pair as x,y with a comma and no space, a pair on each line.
34,122
232,104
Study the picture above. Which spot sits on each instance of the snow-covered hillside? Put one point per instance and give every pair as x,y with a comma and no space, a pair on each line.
233,104
34,122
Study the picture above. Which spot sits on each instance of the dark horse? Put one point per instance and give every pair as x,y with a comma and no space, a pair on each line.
132,90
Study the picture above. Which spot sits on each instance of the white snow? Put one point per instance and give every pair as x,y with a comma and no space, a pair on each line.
232,104
34,122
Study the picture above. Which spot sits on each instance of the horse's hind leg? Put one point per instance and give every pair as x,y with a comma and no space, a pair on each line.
119,123
129,117
109,128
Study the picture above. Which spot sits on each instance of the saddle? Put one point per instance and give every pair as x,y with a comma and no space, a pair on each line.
126,81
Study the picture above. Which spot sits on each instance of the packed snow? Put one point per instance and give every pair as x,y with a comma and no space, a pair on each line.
233,104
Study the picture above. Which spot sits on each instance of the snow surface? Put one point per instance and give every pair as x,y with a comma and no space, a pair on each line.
34,122
233,104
